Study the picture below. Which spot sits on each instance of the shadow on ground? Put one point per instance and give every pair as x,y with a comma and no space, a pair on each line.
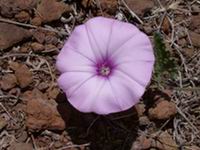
111,132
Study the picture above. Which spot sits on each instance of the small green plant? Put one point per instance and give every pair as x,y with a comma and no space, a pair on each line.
165,65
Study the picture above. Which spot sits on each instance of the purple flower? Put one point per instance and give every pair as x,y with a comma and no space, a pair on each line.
105,66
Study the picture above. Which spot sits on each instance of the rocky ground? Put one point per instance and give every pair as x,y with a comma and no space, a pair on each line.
34,113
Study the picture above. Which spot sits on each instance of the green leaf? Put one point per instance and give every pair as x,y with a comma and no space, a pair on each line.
165,65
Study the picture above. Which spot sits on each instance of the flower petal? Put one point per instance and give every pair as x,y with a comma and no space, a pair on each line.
79,41
69,60
139,71
71,80
99,33
96,96
121,33
138,48
127,91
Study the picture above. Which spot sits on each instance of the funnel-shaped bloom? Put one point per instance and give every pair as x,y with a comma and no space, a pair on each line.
105,66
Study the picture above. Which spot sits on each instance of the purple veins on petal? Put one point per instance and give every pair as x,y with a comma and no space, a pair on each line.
99,39
79,41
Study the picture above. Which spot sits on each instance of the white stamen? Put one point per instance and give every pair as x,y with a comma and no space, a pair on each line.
105,71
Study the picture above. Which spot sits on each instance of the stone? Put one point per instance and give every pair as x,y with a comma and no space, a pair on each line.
21,146
144,120
165,142
195,22
145,142
140,108
6,35
140,7
86,3
22,137
34,94
24,76
9,7
8,81
3,123
13,65
42,114
53,93
194,38
141,143
50,48
163,110
39,36
52,11
37,47
22,16
166,25
189,52
14,91
50,39
109,6
37,21
25,48
42,86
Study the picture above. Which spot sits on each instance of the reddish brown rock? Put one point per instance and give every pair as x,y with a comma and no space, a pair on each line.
109,6
195,22
144,120
24,76
163,110
183,42
25,48
51,39
50,10
140,108
3,123
34,94
42,114
13,65
39,36
22,16
194,38
50,48
6,35
37,21
189,51
86,3
53,93
43,86
166,25
22,136
164,142
37,47
14,91
140,7
8,81
24,4
141,143
10,7
21,146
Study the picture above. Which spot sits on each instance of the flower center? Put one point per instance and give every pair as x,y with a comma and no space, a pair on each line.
105,68
104,71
